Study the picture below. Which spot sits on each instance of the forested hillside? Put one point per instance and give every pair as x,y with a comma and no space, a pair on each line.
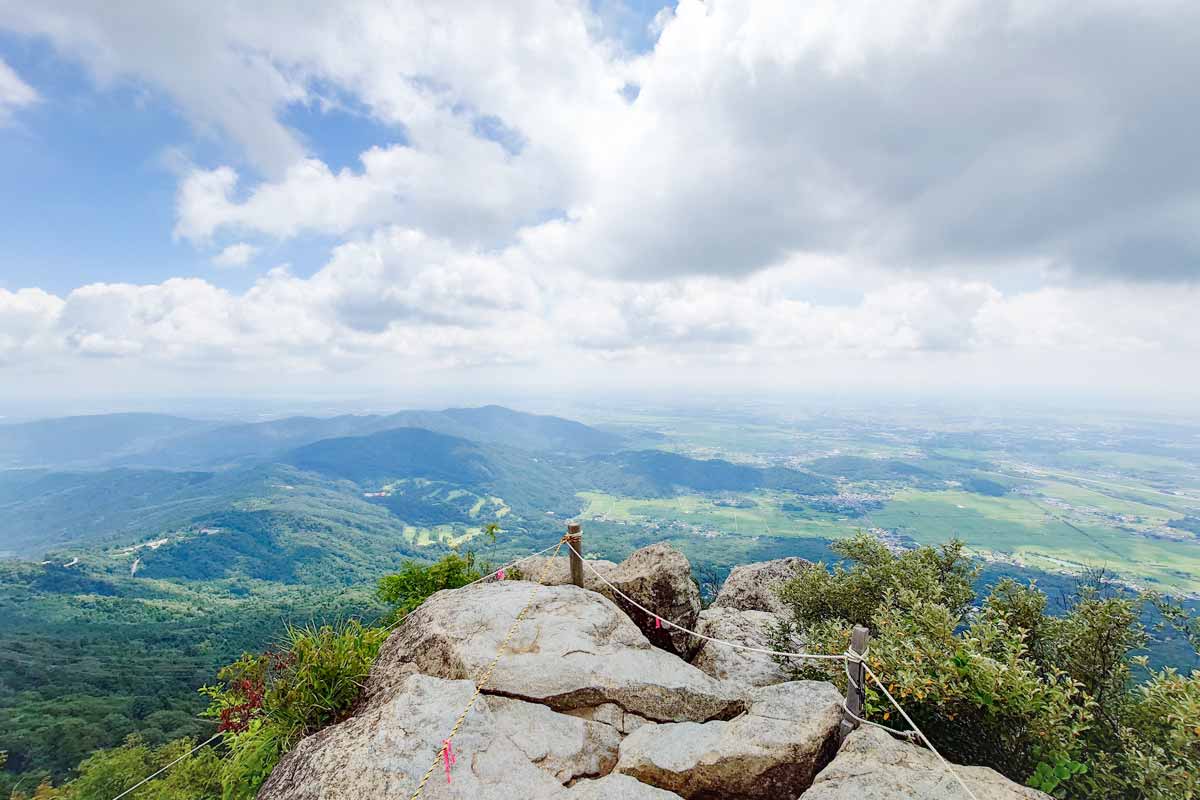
132,584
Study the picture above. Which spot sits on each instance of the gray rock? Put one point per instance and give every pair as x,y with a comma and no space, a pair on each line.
659,577
617,787
748,628
557,571
384,751
751,587
566,747
871,765
573,650
786,737
611,714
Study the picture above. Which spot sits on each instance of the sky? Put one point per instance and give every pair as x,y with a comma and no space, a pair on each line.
305,198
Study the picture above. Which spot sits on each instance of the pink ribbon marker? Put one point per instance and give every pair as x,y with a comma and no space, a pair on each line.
448,757
500,575
657,621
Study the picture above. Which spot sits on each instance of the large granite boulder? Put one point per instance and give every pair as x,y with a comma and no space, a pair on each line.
752,587
789,733
573,651
750,628
871,765
659,577
383,752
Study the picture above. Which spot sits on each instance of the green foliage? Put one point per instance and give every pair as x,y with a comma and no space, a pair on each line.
253,753
1047,700
414,583
1048,777
853,594
107,773
266,703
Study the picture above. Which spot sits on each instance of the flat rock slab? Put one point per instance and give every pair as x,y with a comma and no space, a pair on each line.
557,571
566,747
786,737
751,587
574,650
749,628
617,787
383,752
871,765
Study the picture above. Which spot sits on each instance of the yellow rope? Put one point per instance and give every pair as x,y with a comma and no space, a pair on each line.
487,675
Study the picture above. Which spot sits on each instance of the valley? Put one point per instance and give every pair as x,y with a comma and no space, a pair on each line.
139,565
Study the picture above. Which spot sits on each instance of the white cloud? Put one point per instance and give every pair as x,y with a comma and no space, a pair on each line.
914,182
14,92
401,297
28,319
236,255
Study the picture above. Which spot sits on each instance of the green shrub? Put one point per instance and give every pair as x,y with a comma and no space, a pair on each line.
1046,700
253,753
107,773
266,703
414,583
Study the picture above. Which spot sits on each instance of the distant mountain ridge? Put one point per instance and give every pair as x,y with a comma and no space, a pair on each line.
91,440
161,441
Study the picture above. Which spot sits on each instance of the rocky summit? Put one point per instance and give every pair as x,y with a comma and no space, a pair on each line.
589,699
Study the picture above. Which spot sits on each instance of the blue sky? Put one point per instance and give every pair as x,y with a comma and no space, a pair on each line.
92,173
802,195
91,183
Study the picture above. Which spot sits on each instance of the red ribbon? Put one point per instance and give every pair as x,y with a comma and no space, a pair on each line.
500,575
448,757
657,621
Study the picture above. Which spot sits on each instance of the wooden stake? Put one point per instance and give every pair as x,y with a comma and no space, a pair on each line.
575,538
855,695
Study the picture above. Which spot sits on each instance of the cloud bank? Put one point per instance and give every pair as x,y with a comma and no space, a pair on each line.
771,183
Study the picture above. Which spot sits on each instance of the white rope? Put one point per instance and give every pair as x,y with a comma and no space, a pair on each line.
852,656
919,732
844,657
395,624
736,646
167,767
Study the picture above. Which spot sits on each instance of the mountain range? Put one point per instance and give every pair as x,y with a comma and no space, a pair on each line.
113,480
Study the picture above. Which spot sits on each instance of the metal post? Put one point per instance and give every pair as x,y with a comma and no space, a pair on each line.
575,539
855,695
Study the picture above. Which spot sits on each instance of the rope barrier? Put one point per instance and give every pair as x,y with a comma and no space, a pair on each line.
388,629
445,754
441,755
735,645
852,656
949,768
167,767
846,658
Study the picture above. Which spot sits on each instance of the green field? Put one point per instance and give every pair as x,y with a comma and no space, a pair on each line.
702,514
1057,526
1040,535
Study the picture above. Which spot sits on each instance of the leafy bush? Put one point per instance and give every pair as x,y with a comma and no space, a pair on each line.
266,703
107,773
1048,701
414,583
